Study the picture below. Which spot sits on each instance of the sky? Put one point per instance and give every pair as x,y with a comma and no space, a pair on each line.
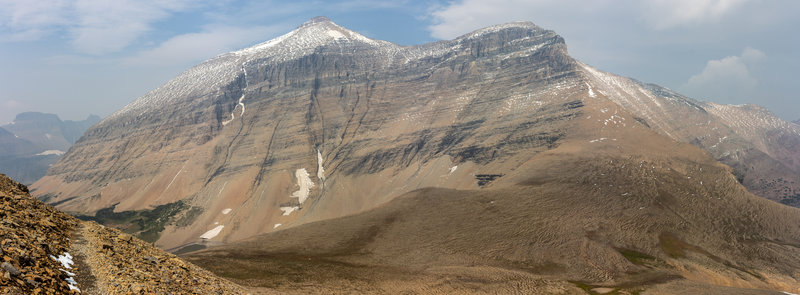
80,57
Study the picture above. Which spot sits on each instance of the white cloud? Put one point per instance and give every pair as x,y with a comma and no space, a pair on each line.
730,78
665,14
104,26
95,26
193,47
24,20
460,17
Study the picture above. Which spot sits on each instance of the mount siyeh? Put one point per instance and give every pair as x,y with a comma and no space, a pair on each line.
323,122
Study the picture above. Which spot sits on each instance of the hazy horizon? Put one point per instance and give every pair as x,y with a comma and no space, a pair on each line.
79,58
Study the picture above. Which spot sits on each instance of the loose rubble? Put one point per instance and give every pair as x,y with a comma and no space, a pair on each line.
37,255
124,264
30,232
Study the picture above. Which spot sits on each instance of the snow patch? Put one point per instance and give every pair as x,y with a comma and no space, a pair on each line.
598,140
276,225
289,210
453,169
320,170
50,152
335,34
591,91
226,211
212,233
305,183
66,261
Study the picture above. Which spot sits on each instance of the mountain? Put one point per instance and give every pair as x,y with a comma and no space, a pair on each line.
34,141
323,122
48,131
638,215
46,251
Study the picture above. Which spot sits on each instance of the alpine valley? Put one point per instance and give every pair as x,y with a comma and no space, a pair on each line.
323,161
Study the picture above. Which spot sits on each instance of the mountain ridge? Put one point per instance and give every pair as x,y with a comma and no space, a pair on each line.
244,151
34,141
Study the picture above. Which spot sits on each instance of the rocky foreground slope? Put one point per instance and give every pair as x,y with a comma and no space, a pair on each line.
30,233
45,251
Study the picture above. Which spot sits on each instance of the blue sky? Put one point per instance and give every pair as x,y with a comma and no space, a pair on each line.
81,57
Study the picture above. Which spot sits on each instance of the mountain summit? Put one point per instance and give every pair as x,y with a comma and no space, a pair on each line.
323,122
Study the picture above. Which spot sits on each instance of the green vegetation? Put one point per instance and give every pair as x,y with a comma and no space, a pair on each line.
588,289
189,216
144,224
792,200
673,246
638,258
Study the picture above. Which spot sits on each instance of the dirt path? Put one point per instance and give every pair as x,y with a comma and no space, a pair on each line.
112,262
83,272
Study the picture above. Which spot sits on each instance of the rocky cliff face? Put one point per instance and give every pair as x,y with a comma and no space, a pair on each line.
323,122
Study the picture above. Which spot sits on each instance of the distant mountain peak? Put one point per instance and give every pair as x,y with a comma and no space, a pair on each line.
496,28
318,19
314,33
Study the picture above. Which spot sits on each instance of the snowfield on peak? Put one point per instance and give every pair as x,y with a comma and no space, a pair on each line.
209,77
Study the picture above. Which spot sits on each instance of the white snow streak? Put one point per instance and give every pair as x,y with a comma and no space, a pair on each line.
305,184
173,178
320,170
289,210
49,152
241,98
453,169
66,261
220,190
226,211
212,233
276,225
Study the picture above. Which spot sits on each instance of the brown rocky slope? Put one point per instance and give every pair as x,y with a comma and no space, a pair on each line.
31,232
636,213
45,251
